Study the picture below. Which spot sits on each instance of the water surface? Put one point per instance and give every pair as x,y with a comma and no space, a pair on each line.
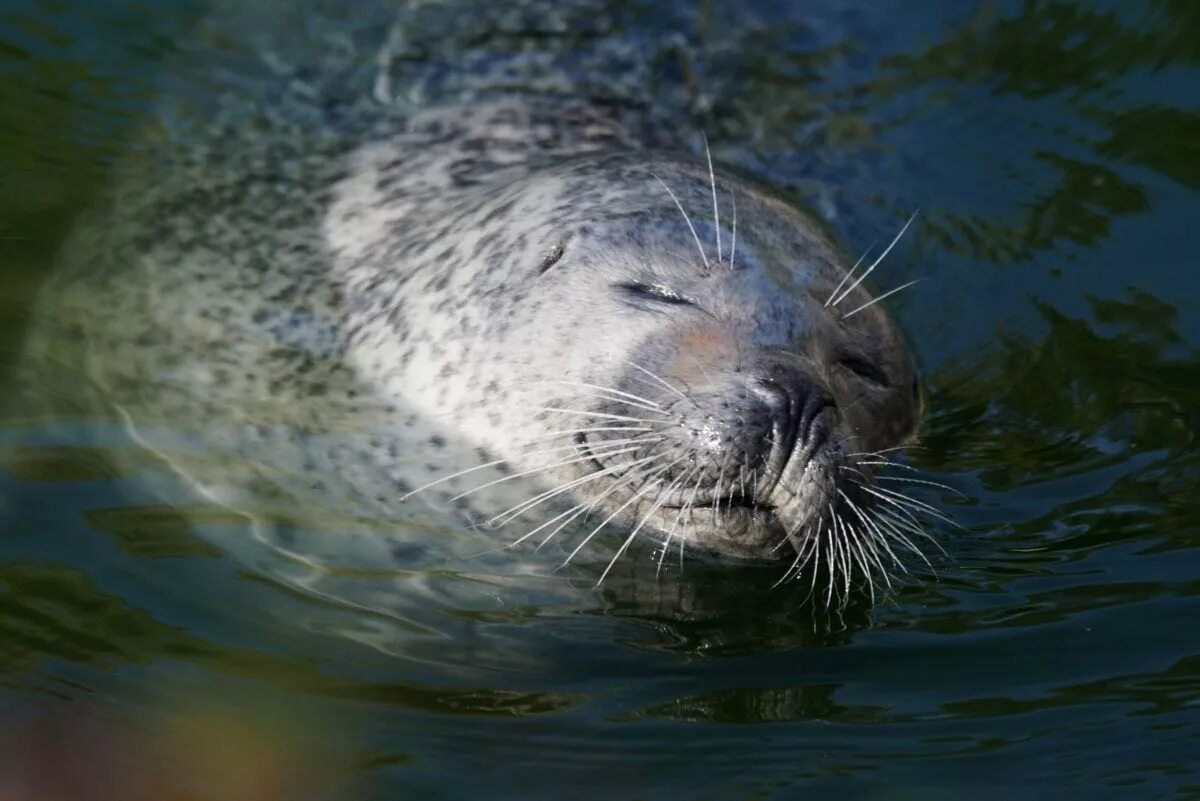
1053,150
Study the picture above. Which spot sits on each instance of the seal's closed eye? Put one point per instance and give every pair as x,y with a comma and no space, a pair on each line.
656,292
864,369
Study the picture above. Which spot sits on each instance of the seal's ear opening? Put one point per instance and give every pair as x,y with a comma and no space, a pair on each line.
552,257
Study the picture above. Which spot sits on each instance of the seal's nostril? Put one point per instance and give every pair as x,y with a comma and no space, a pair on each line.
817,403
774,395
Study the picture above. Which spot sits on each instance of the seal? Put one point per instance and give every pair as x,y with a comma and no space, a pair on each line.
538,313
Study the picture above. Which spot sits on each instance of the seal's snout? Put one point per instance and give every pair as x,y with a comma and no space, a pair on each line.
795,402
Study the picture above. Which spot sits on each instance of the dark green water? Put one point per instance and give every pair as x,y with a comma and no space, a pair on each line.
1054,151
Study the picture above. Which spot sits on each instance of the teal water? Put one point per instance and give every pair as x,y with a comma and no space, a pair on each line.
1053,150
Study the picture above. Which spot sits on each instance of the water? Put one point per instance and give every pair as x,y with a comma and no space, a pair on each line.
1052,150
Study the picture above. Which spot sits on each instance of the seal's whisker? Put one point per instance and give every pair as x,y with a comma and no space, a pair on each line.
905,511
601,415
858,557
875,263
674,524
633,534
754,478
686,219
891,524
903,479
657,378
901,522
918,505
784,540
818,544
848,274
855,470
803,553
869,526
840,547
712,180
636,400
843,553
901,519
907,480
542,469
451,477
574,511
690,506
871,551
648,486
503,518
733,244
882,451
872,302
880,540
830,556
687,509
624,479
586,508
887,463
595,430
610,398
716,506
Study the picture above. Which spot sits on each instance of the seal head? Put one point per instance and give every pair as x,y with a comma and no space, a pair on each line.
661,345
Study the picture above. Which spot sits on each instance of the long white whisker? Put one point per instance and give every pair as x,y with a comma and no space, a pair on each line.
451,477
870,527
847,276
507,515
691,507
797,565
875,263
817,548
493,463
885,450
887,463
686,219
646,488
671,531
870,519
831,555
627,397
915,504
712,179
891,523
858,558
904,521
533,471
582,413
580,508
596,430
946,487
843,548
733,244
881,297
657,378
628,540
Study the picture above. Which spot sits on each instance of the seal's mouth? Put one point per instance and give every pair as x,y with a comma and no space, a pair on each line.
699,498
747,519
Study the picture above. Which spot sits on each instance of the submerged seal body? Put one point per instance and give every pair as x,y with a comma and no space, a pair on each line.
544,313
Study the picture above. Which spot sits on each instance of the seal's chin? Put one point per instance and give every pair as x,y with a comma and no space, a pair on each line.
777,527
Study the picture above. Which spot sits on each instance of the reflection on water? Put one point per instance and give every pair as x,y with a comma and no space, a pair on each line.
1051,148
